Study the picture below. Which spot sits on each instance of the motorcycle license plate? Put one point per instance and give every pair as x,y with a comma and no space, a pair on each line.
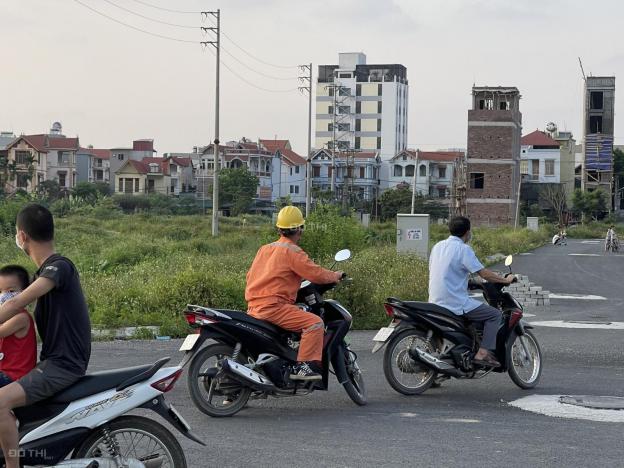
189,342
384,333
180,418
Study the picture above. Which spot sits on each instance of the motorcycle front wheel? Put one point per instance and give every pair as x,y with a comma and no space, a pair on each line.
134,437
214,395
403,373
354,385
525,361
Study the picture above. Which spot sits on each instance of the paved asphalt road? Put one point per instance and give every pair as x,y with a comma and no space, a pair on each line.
464,423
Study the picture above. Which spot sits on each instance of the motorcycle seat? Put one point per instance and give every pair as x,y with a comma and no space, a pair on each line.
104,380
245,317
429,307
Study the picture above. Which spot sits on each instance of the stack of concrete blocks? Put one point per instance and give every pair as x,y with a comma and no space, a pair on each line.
528,294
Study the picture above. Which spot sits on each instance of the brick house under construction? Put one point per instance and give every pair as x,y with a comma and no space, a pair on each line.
492,173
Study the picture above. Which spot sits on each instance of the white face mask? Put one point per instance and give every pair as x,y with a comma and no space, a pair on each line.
6,296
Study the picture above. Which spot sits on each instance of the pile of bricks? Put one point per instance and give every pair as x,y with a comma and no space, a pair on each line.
528,294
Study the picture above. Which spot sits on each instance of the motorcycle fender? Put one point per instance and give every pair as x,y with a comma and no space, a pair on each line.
161,407
338,364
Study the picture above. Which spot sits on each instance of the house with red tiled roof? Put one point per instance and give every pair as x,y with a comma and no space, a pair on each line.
433,170
148,176
26,163
289,168
540,158
356,174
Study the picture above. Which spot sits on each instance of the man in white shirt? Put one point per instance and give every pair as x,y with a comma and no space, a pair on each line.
450,263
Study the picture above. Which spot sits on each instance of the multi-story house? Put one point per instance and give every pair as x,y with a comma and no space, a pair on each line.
119,156
362,107
357,173
288,171
181,174
148,176
26,163
93,165
61,160
434,171
540,158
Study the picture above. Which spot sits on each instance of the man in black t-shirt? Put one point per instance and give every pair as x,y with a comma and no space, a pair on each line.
62,321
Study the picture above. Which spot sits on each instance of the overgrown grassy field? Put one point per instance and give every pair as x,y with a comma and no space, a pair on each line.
143,269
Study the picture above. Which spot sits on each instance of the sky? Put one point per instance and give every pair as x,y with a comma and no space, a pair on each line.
108,83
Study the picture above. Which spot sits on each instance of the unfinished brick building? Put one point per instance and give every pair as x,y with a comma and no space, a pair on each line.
493,156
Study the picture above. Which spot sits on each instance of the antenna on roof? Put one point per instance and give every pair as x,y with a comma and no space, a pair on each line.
582,71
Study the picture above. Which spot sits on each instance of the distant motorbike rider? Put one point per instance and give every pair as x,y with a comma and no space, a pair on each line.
612,238
272,284
450,263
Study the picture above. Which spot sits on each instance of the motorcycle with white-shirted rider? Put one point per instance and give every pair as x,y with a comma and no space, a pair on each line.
427,344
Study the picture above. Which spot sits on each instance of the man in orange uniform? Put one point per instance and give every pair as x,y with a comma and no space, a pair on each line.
272,284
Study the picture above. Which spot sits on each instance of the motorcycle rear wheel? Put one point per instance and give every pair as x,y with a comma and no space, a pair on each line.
128,431
203,389
396,360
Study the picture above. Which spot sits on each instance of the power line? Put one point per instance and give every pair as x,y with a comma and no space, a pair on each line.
150,19
257,71
165,9
134,27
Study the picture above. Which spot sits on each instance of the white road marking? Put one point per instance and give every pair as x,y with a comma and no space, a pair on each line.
526,253
549,405
585,297
596,241
459,420
579,324
528,315
584,255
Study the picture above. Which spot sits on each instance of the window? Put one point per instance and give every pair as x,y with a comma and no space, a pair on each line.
442,172
296,169
595,124
535,168
379,107
62,179
344,91
422,170
398,171
442,192
358,125
121,182
486,104
22,157
378,143
63,158
549,167
362,172
22,181
358,107
136,185
127,185
379,89
120,157
316,171
379,125
344,75
331,90
596,100
504,105
524,167
344,109
153,167
477,180
409,170
357,142
358,90
330,110
291,171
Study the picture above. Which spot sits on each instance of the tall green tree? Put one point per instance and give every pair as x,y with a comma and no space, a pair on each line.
399,200
237,187
590,204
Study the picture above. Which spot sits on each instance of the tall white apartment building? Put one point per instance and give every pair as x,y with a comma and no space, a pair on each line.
362,107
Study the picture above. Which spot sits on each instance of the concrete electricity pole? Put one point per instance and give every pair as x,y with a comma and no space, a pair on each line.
216,153
308,78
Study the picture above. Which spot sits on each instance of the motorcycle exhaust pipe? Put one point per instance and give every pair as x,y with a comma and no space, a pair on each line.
247,376
434,363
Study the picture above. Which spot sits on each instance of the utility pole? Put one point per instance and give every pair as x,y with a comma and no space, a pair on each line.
216,153
308,89
414,184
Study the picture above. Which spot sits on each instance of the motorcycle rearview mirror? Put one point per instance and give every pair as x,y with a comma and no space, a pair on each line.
342,255
509,260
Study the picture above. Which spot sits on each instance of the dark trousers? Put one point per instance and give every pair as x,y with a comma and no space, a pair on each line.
5,379
491,319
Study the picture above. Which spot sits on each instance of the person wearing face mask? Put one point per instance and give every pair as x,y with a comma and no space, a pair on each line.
450,264
18,341
62,320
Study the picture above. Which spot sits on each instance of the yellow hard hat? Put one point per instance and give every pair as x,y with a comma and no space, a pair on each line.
290,217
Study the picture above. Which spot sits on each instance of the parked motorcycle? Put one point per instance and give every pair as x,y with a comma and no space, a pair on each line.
428,343
88,422
252,358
